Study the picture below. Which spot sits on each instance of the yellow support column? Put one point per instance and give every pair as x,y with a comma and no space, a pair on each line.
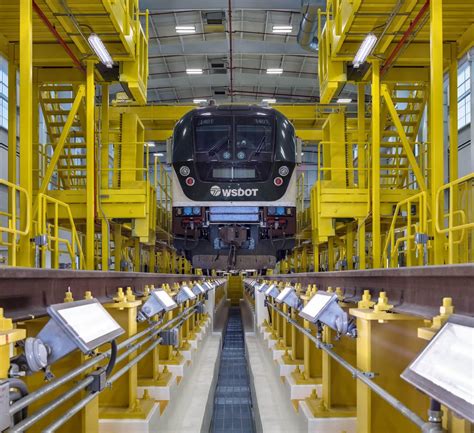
350,246
104,152
117,246
361,243
361,135
90,162
375,415
12,172
376,241
436,120
26,121
121,401
105,241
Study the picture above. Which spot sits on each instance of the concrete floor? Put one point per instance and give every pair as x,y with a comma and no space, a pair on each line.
189,413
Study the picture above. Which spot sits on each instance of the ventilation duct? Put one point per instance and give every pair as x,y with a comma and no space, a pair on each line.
307,34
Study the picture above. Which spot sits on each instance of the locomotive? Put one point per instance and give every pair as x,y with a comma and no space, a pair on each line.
234,187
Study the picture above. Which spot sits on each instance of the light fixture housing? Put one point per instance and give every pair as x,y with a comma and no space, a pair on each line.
364,50
157,302
185,294
185,29
272,291
344,101
282,29
274,71
198,289
99,49
199,101
323,307
269,100
289,297
444,370
194,71
83,325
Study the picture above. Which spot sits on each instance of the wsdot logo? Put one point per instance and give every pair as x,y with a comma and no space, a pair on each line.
216,191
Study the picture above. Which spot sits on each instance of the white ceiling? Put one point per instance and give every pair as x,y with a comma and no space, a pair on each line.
255,48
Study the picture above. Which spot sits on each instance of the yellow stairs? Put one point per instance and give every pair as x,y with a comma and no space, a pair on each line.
56,101
410,102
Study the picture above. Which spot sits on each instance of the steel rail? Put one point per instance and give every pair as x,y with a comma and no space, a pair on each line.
416,290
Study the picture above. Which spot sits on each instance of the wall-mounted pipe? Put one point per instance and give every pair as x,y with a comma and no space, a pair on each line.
307,34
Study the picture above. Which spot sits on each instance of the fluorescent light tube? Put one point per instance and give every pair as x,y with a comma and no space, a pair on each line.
185,29
269,100
282,29
364,50
344,100
99,49
193,71
274,71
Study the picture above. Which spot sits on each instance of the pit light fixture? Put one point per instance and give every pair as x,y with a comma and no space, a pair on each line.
444,370
157,302
364,50
323,307
185,294
99,49
83,325
289,297
272,291
198,289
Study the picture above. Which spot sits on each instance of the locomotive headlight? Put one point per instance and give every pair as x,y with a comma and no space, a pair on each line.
241,155
184,170
283,170
196,211
278,181
226,155
190,181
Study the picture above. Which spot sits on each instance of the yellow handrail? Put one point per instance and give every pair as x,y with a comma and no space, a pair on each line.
13,216
391,244
43,229
450,214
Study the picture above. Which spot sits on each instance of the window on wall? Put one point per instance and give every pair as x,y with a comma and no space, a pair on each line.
464,95
3,93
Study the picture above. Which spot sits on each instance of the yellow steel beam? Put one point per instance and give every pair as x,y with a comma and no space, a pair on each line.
361,134
436,119
453,115
81,91
90,169
376,102
401,132
26,125
104,152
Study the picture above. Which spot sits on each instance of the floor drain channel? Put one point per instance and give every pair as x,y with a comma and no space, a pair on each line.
233,411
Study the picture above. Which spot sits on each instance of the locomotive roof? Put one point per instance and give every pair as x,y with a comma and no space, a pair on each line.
223,110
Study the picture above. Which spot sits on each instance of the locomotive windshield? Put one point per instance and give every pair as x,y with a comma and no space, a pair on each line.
233,148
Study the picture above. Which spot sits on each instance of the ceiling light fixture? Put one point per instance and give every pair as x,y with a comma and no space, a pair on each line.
194,71
185,29
344,100
269,100
282,29
199,101
99,49
365,49
274,71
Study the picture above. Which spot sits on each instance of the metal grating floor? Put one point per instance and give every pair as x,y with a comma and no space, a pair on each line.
233,412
